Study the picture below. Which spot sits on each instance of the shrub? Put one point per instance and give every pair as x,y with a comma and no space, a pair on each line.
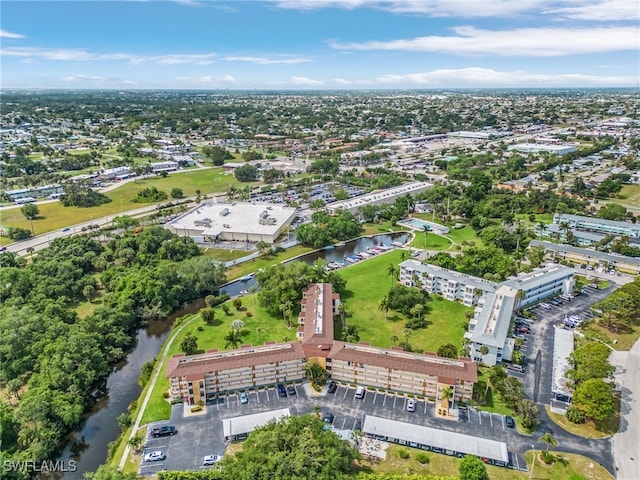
403,453
575,415
176,401
196,408
165,395
422,458
200,328
248,313
546,456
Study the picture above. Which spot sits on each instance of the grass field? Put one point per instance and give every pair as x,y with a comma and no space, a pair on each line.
629,195
434,242
238,271
54,216
568,467
368,283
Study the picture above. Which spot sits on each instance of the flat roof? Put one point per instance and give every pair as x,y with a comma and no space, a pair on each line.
380,195
248,423
237,217
475,282
586,252
434,437
317,311
562,348
540,276
559,218
493,321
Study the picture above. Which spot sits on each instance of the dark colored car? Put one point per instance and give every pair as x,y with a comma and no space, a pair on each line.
164,431
333,386
358,426
281,390
510,422
328,418
291,390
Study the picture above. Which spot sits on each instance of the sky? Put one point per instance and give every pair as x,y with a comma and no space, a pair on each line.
319,44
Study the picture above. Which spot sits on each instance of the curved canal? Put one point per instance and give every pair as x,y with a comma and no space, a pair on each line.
89,444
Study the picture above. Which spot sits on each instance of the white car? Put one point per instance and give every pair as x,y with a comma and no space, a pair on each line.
154,456
411,405
211,459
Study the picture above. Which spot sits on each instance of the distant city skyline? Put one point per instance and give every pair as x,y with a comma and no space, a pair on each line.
319,44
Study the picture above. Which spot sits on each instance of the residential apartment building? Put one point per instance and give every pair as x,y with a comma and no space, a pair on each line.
583,256
448,283
200,377
495,302
394,369
197,378
592,224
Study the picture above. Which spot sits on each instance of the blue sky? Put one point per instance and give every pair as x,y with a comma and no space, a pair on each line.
319,44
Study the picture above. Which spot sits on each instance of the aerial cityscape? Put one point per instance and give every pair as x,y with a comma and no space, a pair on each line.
322,239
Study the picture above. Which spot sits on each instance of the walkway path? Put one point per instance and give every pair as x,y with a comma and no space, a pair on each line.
626,443
152,384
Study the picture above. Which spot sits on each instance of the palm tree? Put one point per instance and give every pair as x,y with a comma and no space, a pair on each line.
392,272
383,306
549,439
448,393
259,332
425,229
342,310
394,339
541,227
233,339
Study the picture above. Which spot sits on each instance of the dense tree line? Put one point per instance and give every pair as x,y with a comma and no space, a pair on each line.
281,285
326,228
52,360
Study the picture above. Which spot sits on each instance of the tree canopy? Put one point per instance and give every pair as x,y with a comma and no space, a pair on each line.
297,447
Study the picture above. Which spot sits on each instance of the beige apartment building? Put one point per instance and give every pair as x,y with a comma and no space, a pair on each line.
197,378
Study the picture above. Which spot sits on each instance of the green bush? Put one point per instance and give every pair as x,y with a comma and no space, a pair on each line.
422,458
403,453
196,408
575,415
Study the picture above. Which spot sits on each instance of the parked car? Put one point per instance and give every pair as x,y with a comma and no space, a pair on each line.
522,330
328,418
244,398
291,390
154,456
163,431
281,390
411,405
358,426
333,386
360,391
66,229
211,459
509,421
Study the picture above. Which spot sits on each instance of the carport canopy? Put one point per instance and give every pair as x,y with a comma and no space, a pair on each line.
433,437
236,426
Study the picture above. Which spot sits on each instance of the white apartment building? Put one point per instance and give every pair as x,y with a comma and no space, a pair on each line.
599,225
495,302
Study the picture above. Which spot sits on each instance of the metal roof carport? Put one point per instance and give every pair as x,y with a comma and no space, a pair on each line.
239,427
435,438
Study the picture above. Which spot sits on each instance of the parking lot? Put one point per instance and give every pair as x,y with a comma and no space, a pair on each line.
538,347
200,435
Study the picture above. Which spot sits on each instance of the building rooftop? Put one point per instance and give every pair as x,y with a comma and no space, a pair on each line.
248,423
379,196
586,252
539,276
492,323
194,366
427,364
565,217
317,314
240,217
479,283
562,348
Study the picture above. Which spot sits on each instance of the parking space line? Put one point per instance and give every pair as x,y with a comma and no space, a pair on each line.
258,396
384,400
491,418
375,395
517,461
266,390
503,425
426,403
343,423
346,390
480,417
228,402
394,401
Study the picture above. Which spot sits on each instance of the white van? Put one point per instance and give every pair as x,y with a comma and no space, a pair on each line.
360,392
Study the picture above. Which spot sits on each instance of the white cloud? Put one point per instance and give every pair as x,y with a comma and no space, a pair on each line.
342,81
260,60
229,79
534,42
484,77
73,78
582,9
306,81
5,34
600,11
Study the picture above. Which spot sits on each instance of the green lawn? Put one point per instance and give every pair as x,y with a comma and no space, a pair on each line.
54,216
434,242
629,195
602,429
488,400
568,466
368,283
224,255
238,271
